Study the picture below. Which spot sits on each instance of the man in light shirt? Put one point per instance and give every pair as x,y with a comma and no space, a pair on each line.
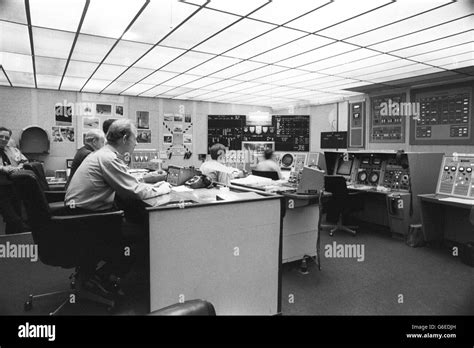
215,169
104,173
269,164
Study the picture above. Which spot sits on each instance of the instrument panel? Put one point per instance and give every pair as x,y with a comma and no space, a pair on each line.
455,177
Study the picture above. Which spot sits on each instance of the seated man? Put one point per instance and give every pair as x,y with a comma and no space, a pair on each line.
269,164
214,168
94,140
11,159
106,125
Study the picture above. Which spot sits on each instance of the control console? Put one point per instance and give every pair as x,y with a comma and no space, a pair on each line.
455,177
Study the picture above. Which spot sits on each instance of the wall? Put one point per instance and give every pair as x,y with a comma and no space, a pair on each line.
22,107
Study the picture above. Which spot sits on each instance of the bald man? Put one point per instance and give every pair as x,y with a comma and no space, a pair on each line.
94,140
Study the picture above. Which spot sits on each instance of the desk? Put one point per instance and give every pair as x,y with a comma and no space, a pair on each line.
225,250
445,219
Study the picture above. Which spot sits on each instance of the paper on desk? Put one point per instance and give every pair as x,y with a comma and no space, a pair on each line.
181,188
235,196
458,200
253,180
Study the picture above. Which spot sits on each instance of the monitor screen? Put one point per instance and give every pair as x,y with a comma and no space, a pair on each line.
344,167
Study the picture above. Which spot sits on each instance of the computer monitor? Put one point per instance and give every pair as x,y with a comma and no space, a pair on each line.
344,167
312,181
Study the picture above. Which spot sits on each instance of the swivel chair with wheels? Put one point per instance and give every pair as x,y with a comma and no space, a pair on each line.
266,174
192,307
68,241
339,204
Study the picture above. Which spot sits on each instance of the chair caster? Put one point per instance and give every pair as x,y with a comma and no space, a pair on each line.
28,306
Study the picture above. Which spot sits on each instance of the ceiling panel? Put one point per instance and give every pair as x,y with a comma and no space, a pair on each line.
108,72
263,71
388,78
318,54
126,53
188,61
446,13
434,45
163,16
159,77
16,62
181,80
134,74
156,91
50,66
137,89
393,71
91,48
363,63
13,10
95,85
110,18
426,35
282,11
458,64
279,76
362,73
73,83
298,46
198,28
48,81
3,79
221,85
452,60
238,69
333,13
56,14
241,87
237,34
265,42
396,11
21,79
80,69
341,59
52,43
14,38
241,7
216,64
203,82
158,57
117,87
446,52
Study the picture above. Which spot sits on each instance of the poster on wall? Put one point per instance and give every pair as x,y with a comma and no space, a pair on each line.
90,122
187,118
168,117
143,120
119,110
144,136
167,139
103,109
63,115
63,134
187,139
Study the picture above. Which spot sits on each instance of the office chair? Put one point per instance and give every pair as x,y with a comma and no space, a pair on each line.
340,203
265,174
67,241
192,307
52,196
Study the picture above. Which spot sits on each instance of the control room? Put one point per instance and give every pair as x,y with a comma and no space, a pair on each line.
229,157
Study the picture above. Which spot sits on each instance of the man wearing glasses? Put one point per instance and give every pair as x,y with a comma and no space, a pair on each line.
11,160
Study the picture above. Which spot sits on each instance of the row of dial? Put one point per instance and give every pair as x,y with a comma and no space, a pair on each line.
461,169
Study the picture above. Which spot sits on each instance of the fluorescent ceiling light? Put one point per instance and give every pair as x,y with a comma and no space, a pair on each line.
137,89
282,11
156,91
216,64
158,57
238,69
117,87
162,16
13,11
188,61
203,82
73,83
341,59
198,28
91,48
57,14
159,77
50,66
367,63
405,75
126,53
21,79
181,80
80,69
241,7
110,18
95,85
108,72
48,81
16,62
446,52
134,75
52,43
14,38
261,72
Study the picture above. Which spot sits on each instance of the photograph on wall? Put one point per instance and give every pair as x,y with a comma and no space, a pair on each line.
187,139
144,136
168,139
103,109
87,109
177,138
143,120
90,122
178,128
119,110
168,117
63,115
178,118
63,134
187,118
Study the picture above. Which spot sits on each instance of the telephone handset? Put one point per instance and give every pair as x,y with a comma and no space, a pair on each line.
199,181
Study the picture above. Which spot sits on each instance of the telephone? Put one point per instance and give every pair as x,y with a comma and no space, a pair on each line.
199,181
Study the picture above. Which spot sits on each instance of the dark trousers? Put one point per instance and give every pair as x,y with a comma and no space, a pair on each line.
10,206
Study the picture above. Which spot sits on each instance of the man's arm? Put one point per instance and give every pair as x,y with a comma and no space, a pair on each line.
127,186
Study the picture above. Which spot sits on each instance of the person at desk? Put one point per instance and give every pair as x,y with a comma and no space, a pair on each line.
11,160
93,141
104,173
214,168
269,164
106,124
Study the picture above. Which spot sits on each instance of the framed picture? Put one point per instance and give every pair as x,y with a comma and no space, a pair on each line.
90,122
167,138
143,120
119,110
144,136
103,109
63,115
